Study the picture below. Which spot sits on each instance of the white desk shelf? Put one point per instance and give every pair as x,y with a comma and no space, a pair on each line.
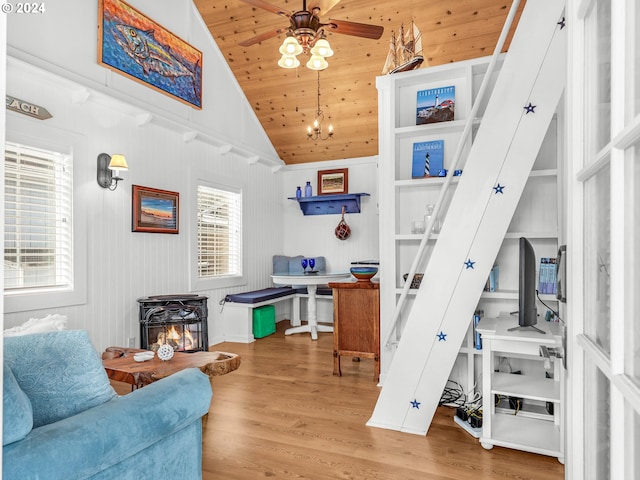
532,428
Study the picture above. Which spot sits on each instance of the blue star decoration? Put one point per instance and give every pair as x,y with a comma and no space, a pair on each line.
530,108
415,404
562,23
499,188
442,337
469,264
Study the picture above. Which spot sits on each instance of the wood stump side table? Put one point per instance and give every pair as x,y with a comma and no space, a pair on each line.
356,322
119,364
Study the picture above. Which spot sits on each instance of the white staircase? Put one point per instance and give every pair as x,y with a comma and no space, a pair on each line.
496,171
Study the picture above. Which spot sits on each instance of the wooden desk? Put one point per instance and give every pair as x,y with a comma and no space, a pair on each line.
120,366
356,322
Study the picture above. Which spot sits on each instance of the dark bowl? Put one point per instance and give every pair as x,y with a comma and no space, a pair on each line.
363,274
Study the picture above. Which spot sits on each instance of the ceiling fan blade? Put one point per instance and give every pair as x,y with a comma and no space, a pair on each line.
269,7
323,5
345,27
263,36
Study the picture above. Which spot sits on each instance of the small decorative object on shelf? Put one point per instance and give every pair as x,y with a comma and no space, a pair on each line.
165,352
363,274
436,224
312,263
417,279
405,50
304,262
417,226
308,190
298,192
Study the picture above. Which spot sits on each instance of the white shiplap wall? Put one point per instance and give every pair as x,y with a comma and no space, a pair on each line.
313,235
123,265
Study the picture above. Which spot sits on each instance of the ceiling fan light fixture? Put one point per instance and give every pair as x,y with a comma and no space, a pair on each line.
288,61
322,48
290,46
316,62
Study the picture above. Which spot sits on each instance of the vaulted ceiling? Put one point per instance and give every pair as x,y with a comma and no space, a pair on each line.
285,101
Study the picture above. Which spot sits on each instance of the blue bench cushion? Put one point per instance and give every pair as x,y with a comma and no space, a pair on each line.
258,296
322,290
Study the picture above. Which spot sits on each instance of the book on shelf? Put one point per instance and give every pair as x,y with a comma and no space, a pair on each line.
547,276
492,280
477,338
428,158
435,105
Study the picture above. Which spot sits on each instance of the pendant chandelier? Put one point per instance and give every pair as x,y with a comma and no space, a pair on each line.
315,132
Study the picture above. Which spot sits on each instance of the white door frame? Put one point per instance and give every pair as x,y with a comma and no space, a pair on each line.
586,161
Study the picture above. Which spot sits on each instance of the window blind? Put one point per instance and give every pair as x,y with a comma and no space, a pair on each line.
219,232
38,240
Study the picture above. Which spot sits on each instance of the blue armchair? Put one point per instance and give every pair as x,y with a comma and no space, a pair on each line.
63,420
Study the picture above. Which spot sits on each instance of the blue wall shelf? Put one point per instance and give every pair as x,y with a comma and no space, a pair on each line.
330,204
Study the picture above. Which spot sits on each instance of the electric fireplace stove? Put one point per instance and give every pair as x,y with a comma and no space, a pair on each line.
178,320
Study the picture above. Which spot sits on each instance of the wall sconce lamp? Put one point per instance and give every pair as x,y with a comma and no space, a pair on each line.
109,167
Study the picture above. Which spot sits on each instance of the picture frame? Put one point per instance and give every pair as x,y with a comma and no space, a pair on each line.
133,45
154,210
332,182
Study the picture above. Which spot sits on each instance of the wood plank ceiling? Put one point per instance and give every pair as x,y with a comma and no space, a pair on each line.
285,101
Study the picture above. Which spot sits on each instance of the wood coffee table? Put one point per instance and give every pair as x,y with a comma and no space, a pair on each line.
120,366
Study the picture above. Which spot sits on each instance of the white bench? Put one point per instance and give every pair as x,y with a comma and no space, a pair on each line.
237,316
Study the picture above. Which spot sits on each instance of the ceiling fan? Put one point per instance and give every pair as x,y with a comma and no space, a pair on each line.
305,25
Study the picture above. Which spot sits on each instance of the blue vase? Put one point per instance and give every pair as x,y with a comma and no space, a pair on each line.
298,192
308,192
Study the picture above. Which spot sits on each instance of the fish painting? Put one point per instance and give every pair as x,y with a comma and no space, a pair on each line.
138,47
143,48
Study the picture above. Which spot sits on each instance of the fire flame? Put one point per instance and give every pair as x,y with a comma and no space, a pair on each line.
178,341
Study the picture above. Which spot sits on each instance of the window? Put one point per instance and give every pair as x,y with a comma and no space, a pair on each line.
38,236
219,232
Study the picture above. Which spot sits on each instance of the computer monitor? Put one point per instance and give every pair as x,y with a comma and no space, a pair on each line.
527,312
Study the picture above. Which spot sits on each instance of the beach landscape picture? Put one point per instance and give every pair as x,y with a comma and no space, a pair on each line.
333,181
155,210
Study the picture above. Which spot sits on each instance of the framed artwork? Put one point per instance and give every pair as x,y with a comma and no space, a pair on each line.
135,46
154,211
333,181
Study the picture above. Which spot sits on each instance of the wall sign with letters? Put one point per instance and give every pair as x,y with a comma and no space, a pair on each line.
27,108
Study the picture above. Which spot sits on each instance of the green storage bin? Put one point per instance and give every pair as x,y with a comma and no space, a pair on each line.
264,321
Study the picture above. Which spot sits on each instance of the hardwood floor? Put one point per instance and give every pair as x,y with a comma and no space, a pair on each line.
284,415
